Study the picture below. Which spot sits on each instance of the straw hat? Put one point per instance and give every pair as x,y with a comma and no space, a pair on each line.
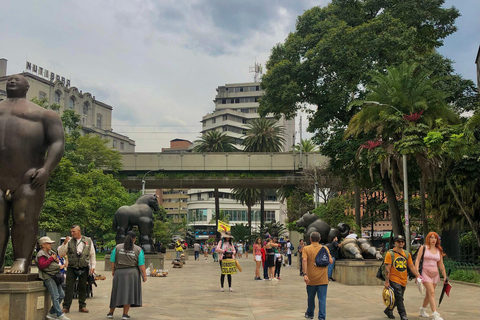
43,240
226,234
388,298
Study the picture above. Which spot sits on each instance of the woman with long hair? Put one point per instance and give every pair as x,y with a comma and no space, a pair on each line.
270,249
128,264
432,253
257,257
48,266
278,259
226,250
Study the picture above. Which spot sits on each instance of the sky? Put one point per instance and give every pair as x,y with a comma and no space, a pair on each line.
158,63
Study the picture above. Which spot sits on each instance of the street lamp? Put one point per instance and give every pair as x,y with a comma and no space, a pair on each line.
405,180
143,181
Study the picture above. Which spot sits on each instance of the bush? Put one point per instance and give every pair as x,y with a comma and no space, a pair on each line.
9,254
465,275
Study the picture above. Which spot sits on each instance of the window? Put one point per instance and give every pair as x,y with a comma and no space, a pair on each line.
114,143
225,117
244,121
42,95
214,120
56,97
71,103
85,108
99,120
122,146
269,216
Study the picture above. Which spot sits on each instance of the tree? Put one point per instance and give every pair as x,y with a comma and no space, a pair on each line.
264,135
401,104
307,145
240,232
248,197
215,141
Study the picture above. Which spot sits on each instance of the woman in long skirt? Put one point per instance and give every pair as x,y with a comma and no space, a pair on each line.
128,264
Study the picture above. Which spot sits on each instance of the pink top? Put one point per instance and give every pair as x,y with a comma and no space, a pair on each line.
257,249
227,247
430,266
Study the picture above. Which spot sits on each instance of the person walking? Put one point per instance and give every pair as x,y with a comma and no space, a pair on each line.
257,257
333,248
396,275
81,262
196,251
278,261
432,253
128,265
178,248
289,252
316,278
205,251
240,249
300,250
227,251
48,266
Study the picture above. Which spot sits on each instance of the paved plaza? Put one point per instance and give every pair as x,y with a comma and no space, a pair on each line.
193,292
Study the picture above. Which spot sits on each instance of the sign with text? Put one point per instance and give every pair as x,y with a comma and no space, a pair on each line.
44,73
229,266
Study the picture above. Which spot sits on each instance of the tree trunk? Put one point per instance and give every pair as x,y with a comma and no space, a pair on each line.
217,213
465,213
249,212
395,214
358,217
262,208
422,207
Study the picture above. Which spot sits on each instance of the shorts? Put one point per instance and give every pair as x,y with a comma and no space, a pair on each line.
258,258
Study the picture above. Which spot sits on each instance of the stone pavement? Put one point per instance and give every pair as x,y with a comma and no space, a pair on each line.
192,292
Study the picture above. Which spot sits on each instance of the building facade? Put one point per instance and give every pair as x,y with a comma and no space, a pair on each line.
235,105
95,116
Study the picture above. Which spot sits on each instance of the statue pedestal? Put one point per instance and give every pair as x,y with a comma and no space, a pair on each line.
357,272
22,298
156,259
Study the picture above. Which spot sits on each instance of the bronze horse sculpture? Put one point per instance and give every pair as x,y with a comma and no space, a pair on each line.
139,214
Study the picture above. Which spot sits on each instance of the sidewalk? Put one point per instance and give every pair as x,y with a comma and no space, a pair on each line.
193,292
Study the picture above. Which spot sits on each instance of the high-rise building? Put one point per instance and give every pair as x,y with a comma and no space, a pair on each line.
235,105
95,116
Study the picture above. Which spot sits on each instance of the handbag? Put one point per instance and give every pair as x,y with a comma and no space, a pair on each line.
58,278
79,272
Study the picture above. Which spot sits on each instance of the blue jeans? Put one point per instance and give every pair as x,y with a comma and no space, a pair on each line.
289,256
330,268
57,294
178,254
265,271
196,254
321,292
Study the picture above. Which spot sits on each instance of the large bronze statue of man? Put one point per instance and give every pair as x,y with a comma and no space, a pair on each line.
31,145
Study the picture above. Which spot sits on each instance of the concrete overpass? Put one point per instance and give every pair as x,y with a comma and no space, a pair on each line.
215,170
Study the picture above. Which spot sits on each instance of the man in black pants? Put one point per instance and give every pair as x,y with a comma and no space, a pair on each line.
396,275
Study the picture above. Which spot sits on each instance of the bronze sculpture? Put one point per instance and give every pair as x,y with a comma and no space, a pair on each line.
139,214
31,146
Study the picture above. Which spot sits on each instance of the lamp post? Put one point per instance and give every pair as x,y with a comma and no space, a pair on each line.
143,181
405,182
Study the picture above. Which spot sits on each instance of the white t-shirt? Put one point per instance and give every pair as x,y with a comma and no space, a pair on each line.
290,248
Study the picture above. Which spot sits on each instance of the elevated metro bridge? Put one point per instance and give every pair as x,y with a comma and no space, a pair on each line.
215,170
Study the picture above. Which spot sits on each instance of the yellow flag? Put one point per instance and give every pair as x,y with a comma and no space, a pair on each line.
223,227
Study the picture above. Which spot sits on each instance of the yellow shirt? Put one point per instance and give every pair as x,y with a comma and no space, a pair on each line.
398,271
316,275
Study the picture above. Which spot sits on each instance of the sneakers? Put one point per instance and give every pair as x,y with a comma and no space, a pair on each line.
222,290
389,313
52,316
257,278
63,317
308,317
436,316
110,316
125,317
423,312
279,278
231,290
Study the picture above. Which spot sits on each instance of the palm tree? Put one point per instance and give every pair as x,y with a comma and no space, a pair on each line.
402,103
307,146
247,197
264,135
215,141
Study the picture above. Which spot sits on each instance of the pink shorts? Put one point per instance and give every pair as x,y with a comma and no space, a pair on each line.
430,275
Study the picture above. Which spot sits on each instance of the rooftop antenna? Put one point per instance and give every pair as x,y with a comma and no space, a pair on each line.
257,69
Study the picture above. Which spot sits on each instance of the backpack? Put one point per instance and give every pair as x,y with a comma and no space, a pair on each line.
322,258
291,247
381,270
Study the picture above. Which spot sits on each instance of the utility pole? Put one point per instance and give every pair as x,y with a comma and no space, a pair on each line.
300,165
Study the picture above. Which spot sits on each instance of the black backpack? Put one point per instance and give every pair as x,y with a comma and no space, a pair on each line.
322,259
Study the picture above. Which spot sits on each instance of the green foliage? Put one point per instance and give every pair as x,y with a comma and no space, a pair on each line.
334,212
9,254
215,141
264,135
307,146
224,217
275,229
466,275
240,232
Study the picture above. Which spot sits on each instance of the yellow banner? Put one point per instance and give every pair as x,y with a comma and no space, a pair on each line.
229,266
223,227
